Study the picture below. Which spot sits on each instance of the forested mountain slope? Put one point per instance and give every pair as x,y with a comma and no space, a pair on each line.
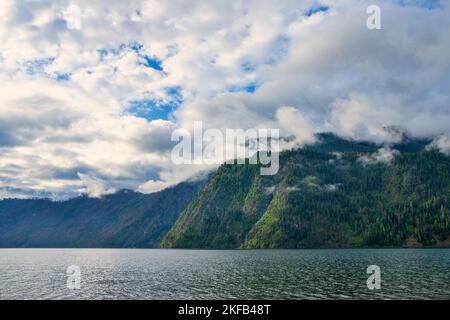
336,193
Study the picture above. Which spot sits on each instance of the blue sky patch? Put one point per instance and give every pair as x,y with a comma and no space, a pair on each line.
149,61
153,63
153,109
62,76
150,109
37,66
280,48
424,4
316,9
250,88
248,67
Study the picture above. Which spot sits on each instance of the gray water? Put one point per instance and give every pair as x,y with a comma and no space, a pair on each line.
218,274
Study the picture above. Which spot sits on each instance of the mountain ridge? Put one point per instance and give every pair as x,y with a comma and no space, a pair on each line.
337,193
123,219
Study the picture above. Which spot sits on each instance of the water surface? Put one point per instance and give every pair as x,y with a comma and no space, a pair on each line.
224,274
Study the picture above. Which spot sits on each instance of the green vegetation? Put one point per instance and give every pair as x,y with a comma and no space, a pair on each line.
323,199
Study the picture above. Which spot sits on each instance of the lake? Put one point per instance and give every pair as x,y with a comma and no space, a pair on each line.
224,274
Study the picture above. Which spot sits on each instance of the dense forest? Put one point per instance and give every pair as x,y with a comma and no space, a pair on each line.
336,193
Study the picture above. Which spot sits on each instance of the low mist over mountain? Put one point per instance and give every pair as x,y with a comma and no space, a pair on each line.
335,193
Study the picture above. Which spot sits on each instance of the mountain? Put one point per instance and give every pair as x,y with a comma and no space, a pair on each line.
123,219
336,193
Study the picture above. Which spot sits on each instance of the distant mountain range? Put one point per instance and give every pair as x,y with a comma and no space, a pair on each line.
125,219
335,193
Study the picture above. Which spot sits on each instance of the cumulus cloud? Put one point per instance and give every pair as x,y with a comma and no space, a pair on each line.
297,124
102,100
93,186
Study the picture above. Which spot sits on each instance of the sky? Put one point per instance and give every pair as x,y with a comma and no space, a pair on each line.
91,91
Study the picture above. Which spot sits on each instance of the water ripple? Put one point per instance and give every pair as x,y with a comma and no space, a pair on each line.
224,274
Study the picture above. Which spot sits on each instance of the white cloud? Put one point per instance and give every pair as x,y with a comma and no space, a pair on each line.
153,186
297,124
65,94
384,155
441,143
93,186
332,187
